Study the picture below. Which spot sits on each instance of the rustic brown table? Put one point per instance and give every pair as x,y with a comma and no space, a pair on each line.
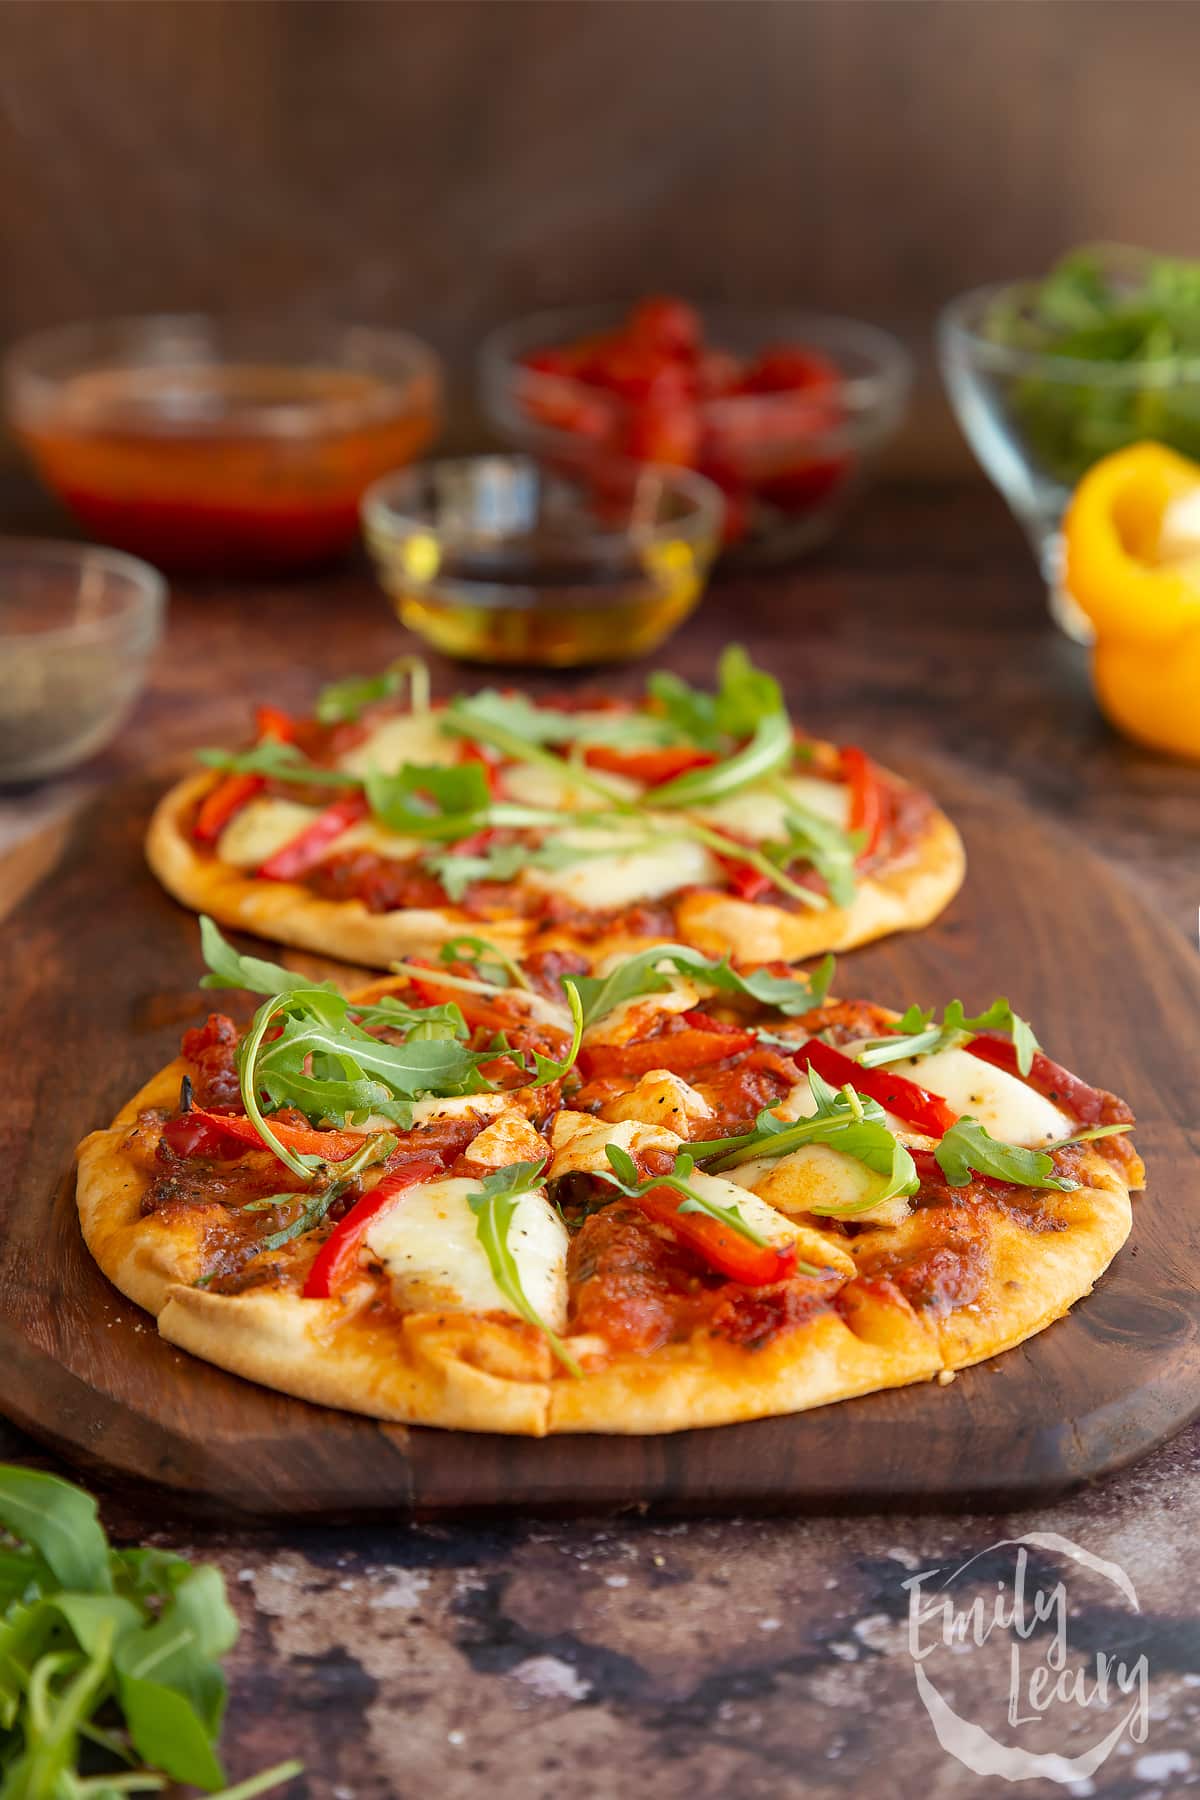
741,1657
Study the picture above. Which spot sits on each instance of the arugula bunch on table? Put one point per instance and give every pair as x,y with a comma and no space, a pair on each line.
110,1660
1108,306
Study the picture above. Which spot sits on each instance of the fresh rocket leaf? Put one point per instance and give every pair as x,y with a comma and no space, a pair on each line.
278,761
917,1035
427,799
769,749
493,964
343,701
846,1121
815,840
516,716
967,1147
494,1205
745,696
645,973
229,969
465,718
545,1069
110,1676
625,1179
375,1150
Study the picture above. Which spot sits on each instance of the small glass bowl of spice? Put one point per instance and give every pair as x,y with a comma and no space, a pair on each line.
77,629
498,559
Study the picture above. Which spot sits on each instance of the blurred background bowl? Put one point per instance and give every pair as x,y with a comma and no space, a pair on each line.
1037,420
788,461
500,559
210,446
77,629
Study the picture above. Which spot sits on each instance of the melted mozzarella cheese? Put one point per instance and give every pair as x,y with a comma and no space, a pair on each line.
260,829
813,1179
508,1139
580,1143
370,834
1002,1103
760,814
609,877
429,1244
660,1098
408,738
636,1018
530,784
755,1213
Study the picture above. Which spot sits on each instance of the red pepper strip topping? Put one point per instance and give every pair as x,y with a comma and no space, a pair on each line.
471,752
679,1051
337,1258
867,799
743,881
273,722
931,1173
1091,1106
906,1099
722,1248
305,851
478,1013
651,766
222,1135
221,803
232,793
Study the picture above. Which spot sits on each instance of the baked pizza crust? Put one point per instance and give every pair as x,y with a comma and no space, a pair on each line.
475,1373
902,898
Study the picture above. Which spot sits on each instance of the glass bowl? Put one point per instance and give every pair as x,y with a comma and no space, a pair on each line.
497,559
789,463
77,629
215,447
1037,421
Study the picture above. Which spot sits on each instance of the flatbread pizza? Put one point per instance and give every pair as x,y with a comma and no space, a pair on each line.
660,1194
388,823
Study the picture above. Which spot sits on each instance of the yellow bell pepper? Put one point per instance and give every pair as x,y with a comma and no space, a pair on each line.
1133,564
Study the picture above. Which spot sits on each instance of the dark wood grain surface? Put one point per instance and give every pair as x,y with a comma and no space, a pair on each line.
760,1658
447,166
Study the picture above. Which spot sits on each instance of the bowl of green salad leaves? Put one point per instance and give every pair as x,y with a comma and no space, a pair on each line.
1047,376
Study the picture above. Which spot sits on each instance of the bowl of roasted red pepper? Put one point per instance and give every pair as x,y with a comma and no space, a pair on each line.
784,411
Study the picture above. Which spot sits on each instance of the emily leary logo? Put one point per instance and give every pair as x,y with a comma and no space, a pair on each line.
996,1631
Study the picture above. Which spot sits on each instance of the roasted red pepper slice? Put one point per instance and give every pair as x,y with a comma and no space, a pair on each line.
202,1133
1091,1106
221,803
230,795
720,1246
868,802
744,881
305,850
273,722
651,766
489,760
906,1099
336,1258
680,1051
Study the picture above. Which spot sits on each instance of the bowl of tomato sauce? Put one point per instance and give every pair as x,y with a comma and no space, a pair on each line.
784,411
210,446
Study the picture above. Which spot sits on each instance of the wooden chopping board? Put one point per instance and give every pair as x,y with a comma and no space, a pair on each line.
98,969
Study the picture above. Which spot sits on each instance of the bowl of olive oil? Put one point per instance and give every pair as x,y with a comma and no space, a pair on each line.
500,559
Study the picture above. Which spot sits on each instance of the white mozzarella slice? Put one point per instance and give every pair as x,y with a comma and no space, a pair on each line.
370,834
580,1142
755,1213
530,784
609,877
508,1139
661,1098
260,829
429,1244
635,1018
1004,1105
760,814
458,1106
408,738
813,1179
